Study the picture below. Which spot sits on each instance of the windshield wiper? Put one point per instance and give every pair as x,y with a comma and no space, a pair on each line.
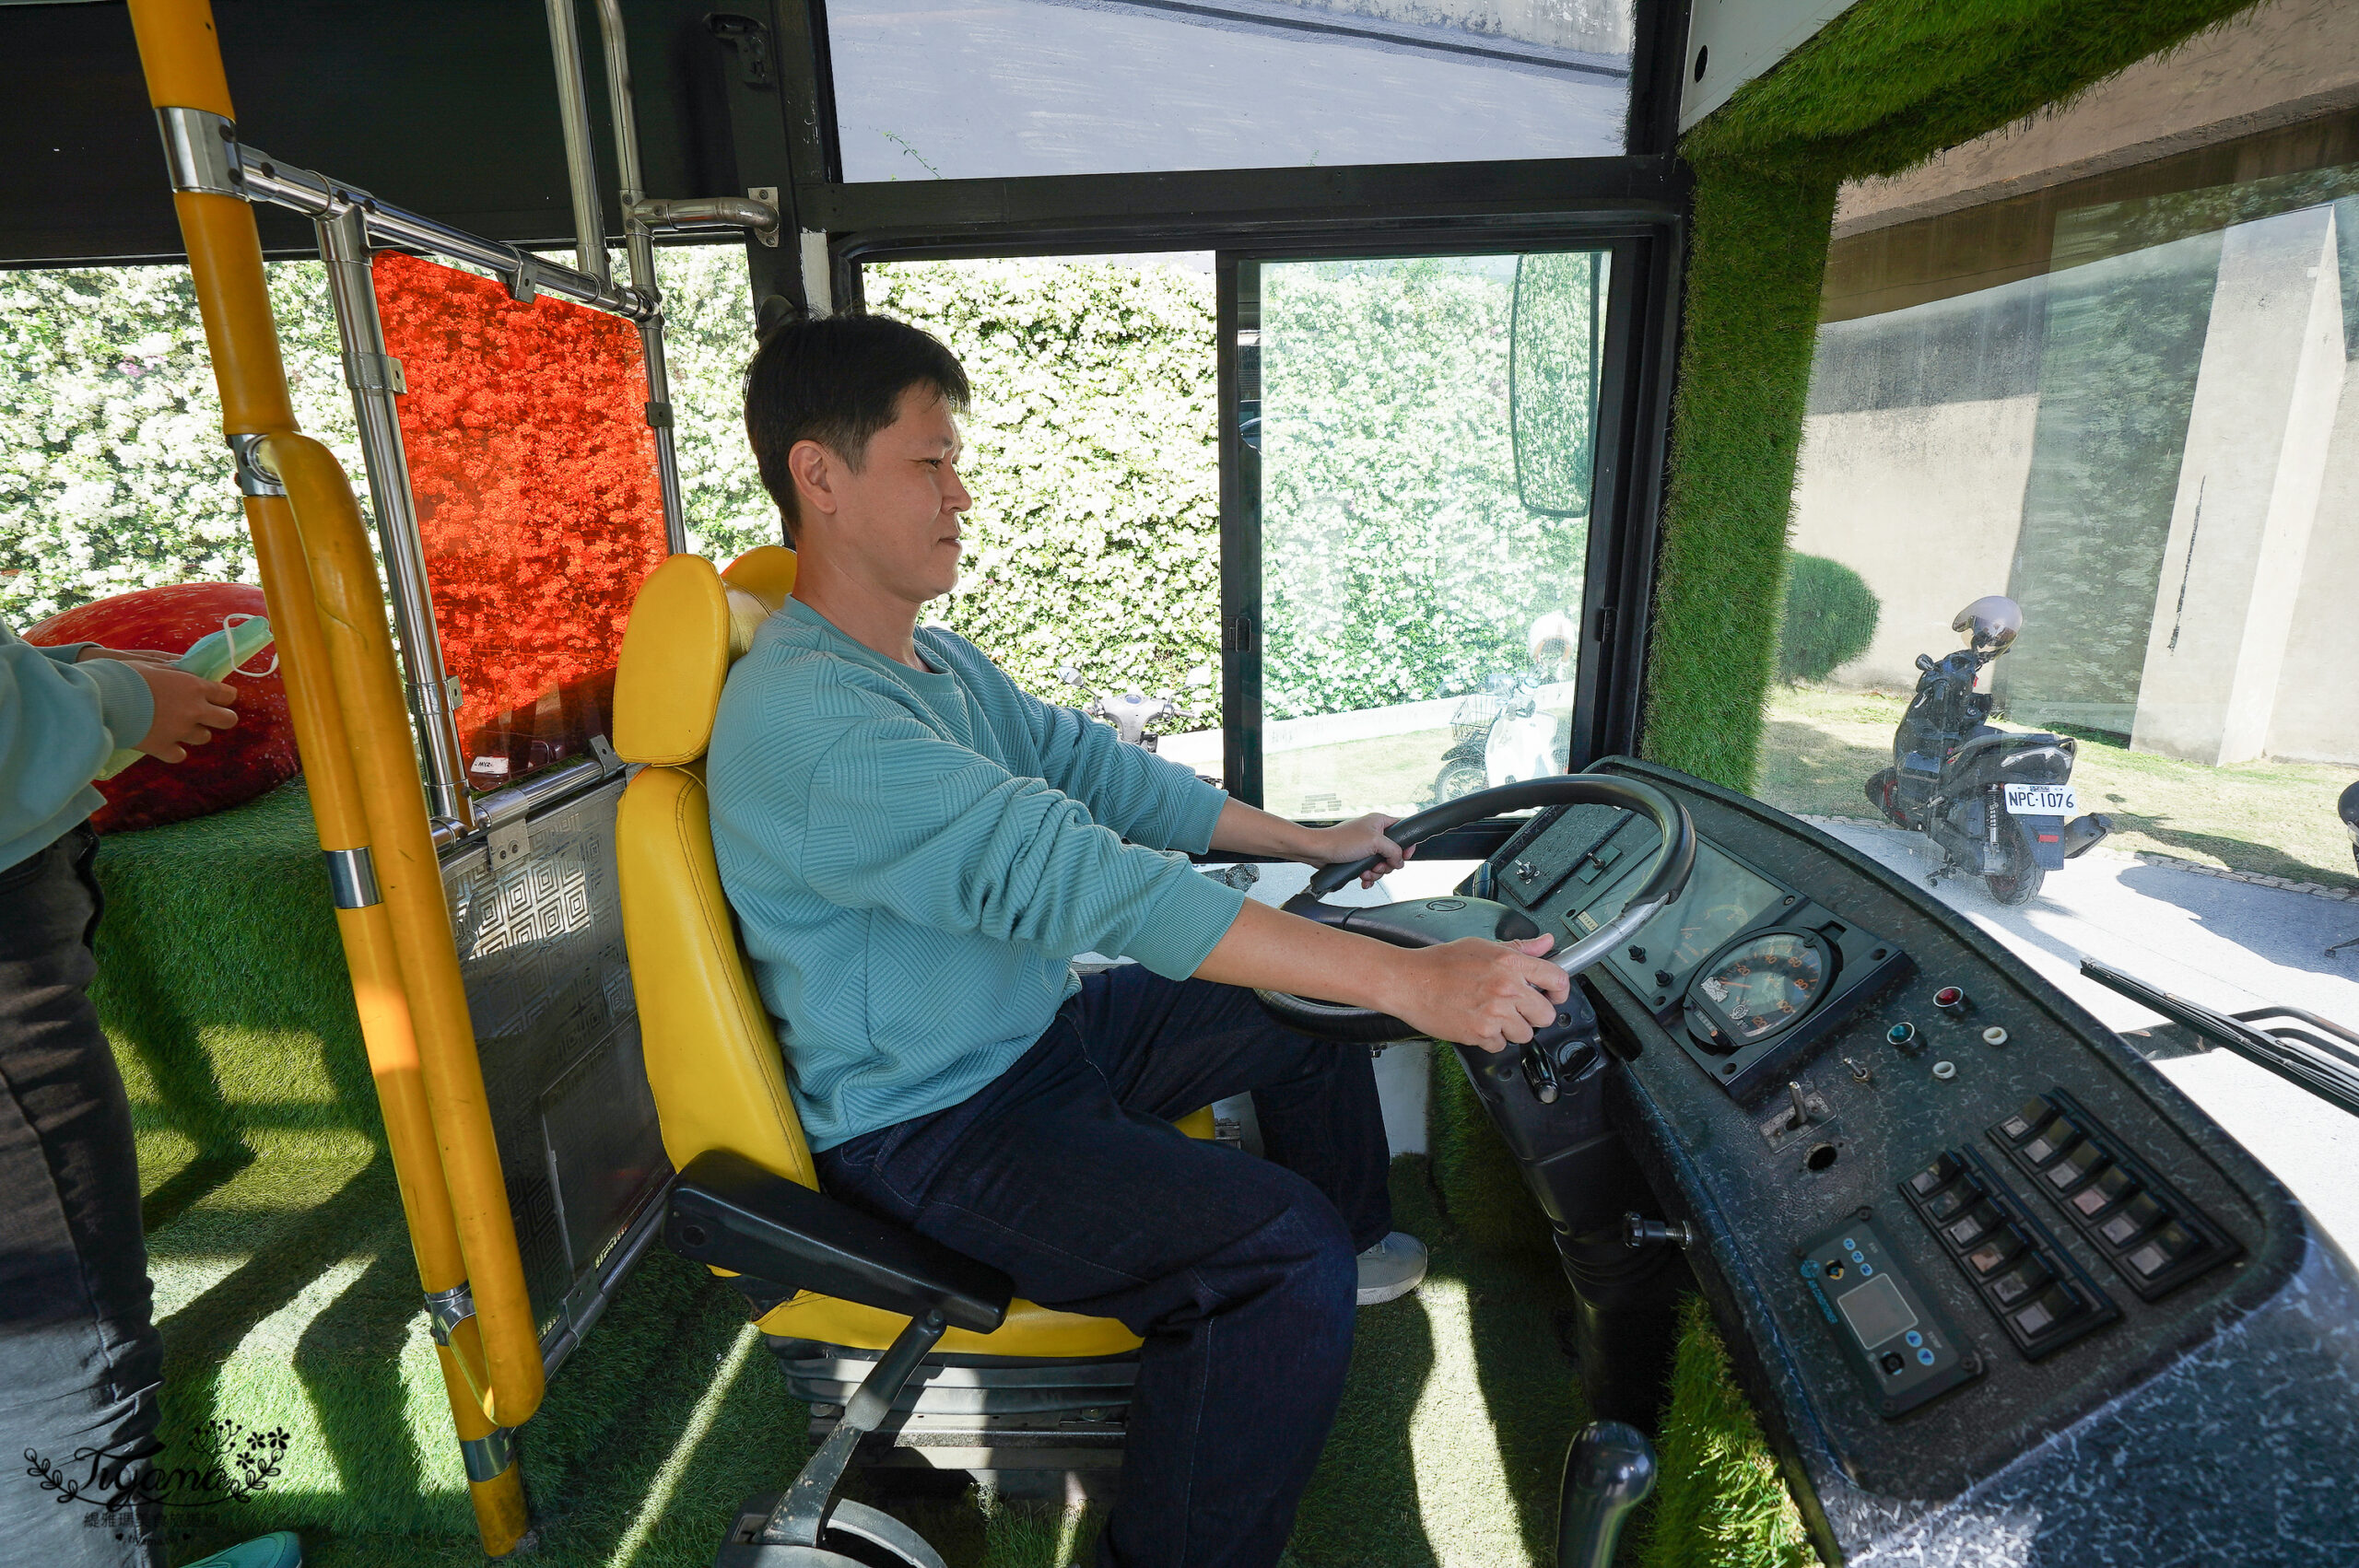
2312,1052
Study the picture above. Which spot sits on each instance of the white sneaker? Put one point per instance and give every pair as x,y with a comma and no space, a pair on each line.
1392,1269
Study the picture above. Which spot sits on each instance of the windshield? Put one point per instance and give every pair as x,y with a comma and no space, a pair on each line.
2112,418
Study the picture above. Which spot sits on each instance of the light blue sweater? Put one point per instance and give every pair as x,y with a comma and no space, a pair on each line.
913,856
59,722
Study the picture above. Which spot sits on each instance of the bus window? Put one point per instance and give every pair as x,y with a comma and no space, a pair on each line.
1421,567
991,87
110,424
1091,571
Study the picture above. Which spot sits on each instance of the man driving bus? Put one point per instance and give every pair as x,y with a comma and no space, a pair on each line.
914,847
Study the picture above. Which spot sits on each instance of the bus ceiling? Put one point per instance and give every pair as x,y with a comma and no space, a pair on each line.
448,107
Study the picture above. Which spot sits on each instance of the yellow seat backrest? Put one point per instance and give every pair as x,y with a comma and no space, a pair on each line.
712,1056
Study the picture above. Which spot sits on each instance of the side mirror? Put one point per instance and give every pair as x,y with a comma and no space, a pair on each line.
1552,378
1069,675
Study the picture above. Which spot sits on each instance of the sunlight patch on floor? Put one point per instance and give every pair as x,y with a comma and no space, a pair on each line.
1461,1476
684,1452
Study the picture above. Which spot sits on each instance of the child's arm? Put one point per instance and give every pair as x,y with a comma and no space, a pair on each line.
59,722
61,719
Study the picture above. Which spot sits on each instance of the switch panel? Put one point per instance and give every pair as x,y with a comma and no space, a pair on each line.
1897,1342
2153,1237
2040,1296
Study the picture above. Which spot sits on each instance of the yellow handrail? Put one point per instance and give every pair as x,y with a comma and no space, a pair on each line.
491,1366
367,687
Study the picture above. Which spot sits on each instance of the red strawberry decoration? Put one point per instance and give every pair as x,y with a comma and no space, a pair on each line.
252,759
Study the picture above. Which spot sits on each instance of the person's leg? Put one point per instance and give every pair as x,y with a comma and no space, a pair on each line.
1238,1274
1169,1047
80,1360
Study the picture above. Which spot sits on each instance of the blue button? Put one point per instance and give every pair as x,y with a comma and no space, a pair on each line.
1866,1269
1925,1358
1810,1269
1848,1244
1857,1257
1915,1338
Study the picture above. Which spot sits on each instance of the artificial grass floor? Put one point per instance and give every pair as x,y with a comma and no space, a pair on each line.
1445,1452
1820,744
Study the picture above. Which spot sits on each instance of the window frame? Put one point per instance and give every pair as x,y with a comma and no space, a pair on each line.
1645,240
1626,495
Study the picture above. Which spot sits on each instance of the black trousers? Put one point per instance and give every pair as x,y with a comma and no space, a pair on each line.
80,1360
1239,1274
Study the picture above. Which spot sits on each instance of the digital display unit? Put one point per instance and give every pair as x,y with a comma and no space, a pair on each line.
1876,1311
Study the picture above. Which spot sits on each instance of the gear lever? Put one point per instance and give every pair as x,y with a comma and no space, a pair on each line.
1608,1471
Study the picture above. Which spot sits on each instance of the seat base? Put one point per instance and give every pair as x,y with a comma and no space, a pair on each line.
988,1447
851,1527
825,1377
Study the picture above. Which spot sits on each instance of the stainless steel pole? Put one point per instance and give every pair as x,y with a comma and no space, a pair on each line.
374,377
640,246
314,195
581,158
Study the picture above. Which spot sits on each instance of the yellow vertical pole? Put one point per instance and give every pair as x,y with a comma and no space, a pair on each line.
492,1388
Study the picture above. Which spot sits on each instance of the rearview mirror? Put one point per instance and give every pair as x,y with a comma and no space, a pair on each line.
1552,379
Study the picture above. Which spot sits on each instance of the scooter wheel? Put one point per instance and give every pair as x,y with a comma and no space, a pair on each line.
1458,779
2019,884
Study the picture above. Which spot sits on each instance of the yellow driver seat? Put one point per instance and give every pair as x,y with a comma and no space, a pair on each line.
712,1055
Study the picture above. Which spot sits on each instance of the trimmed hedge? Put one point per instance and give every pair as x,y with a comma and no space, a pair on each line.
1831,615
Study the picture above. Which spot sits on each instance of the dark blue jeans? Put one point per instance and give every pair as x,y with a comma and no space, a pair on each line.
80,1362
1065,1173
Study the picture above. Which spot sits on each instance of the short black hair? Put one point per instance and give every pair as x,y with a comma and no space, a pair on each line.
836,381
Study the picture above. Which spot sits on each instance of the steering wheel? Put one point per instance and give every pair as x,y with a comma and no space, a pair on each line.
1428,922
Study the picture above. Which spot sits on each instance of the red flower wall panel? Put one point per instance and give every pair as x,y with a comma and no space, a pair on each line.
535,475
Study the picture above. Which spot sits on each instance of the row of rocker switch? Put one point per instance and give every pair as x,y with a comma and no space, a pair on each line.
2155,1237
2040,1296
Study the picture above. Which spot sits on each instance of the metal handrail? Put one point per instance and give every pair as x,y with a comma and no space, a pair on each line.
180,54
639,246
360,654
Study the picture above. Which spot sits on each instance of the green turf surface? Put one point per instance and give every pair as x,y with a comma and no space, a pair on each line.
285,1286
1719,1502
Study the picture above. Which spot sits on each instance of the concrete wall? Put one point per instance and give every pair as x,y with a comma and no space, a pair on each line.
2316,707
1924,503
2251,477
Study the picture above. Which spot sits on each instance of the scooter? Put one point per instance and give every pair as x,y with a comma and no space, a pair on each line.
1997,801
1132,711
1497,740
1499,736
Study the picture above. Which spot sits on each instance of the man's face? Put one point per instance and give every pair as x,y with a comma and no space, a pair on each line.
893,522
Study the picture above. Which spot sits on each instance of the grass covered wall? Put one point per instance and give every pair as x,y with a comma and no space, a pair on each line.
1885,86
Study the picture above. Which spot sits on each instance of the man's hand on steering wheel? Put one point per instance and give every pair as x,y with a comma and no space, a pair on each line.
1354,841
1474,992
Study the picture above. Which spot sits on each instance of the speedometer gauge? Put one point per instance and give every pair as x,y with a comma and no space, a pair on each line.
1756,987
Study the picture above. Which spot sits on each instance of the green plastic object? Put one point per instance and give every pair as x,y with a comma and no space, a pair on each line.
211,658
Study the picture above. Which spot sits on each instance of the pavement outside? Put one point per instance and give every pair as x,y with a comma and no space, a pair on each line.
2226,943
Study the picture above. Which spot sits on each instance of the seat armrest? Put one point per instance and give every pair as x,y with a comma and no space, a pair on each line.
731,1213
